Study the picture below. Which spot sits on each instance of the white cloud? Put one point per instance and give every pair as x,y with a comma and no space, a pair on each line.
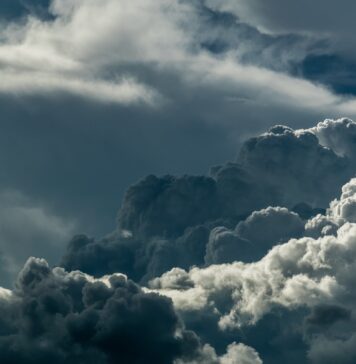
75,51
235,354
240,354
70,53
301,273
125,91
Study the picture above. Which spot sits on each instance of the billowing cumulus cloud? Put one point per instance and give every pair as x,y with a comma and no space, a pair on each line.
68,317
281,167
186,221
53,315
339,135
253,237
309,274
252,263
180,202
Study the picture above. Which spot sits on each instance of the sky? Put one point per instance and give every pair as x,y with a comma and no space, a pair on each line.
184,161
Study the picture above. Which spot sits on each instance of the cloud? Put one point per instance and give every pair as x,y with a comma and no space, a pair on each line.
258,252
240,354
181,202
235,354
303,275
124,91
70,317
270,225
228,259
285,158
59,316
233,265
166,222
74,52
328,315
280,167
338,135
277,17
326,46
253,237
66,53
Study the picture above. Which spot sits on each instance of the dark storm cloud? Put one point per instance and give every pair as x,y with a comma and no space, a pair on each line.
142,258
191,221
329,329
69,317
167,222
54,316
325,315
294,164
96,160
281,166
253,237
166,206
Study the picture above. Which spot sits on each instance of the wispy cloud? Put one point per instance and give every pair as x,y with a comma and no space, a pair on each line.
73,52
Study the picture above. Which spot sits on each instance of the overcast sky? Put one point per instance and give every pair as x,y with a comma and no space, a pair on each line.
97,94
